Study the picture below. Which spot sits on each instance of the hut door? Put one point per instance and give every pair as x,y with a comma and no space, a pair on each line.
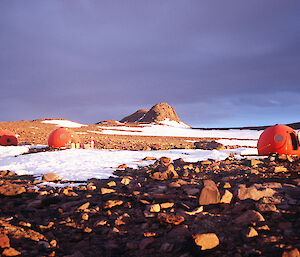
295,141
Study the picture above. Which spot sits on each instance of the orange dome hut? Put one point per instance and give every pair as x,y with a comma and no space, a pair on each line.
280,139
60,137
8,138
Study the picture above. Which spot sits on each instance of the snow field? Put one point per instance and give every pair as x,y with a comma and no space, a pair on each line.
82,164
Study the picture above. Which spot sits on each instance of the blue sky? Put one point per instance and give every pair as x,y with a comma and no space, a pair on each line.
218,63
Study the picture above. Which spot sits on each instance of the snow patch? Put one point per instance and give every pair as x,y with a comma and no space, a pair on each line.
82,164
64,123
165,130
173,123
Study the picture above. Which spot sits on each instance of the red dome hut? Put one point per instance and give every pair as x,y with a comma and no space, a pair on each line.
279,139
59,138
8,138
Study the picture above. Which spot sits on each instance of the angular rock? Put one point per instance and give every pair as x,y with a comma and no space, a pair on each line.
249,217
4,241
206,241
209,194
126,180
227,197
10,252
251,233
291,253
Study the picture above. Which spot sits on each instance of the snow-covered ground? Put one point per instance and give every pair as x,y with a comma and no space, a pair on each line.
82,164
64,123
166,130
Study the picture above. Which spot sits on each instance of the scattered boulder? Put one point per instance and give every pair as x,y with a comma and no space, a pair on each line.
209,194
257,191
51,177
4,241
291,253
209,145
206,241
249,217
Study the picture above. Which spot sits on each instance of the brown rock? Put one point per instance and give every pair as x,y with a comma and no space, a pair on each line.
111,184
165,161
83,206
209,194
126,180
159,175
154,208
227,197
166,205
291,253
112,203
84,216
4,241
10,252
107,190
166,218
206,241
50,177
11,189
209,145
249,217
149,158
251,232
255,192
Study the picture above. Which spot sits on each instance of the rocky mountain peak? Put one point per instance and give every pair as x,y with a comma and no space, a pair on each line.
158,113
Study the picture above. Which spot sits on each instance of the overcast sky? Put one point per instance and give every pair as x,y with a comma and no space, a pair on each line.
218,63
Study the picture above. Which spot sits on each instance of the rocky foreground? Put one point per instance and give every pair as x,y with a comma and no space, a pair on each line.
209,208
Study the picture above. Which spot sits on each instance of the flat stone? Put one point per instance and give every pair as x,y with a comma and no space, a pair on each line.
255,192
112,203
166,205
50,177
206,241
10,252
107,190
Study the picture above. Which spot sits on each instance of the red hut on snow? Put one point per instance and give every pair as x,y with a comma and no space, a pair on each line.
63,138
279,139
8,138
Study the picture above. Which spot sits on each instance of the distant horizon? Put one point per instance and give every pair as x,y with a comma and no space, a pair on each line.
240,125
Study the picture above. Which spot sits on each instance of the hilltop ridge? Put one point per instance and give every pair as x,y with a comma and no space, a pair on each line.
158,113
